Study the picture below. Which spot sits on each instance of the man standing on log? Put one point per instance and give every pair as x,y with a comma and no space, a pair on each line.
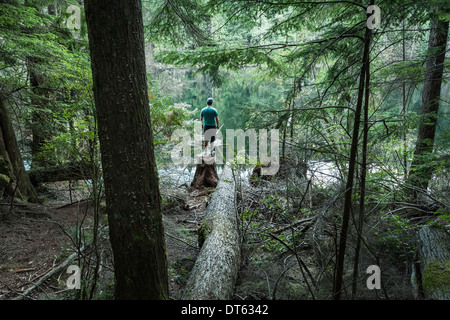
210,122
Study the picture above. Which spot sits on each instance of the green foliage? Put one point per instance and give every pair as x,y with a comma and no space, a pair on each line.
28,33
268,64
398,237
38,47
76,141
166,115
243,98
176,22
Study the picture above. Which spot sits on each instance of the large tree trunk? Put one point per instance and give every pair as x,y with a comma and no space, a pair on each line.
215,271
116,39
421,171
432,271
40,119
15,181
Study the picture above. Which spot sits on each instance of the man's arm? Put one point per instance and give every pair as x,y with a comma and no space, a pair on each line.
217,122
201,120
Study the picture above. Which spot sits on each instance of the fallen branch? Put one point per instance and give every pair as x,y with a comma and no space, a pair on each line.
293,225
73,203
181,240
49,274
24,270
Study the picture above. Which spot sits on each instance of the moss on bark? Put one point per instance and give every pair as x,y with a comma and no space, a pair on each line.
436,276
203,232
4,180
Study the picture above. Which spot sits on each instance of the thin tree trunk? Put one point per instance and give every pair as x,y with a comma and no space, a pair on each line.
404,102
360,222
339,270
133,201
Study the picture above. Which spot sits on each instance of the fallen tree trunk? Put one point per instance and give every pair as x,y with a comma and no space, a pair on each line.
75,171
432,270
215,271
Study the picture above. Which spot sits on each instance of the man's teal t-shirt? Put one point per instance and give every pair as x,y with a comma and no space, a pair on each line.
209,115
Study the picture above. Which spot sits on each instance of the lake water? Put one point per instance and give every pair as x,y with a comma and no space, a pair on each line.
320,172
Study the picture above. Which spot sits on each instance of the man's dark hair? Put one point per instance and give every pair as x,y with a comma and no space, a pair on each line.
209,101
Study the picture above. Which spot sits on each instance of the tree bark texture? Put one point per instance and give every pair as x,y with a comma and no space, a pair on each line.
16,181
39,98
421,172
216,268
432,271
133,200
205,175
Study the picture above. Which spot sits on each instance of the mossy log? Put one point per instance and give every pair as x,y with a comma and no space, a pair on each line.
214,274
432,271
73,171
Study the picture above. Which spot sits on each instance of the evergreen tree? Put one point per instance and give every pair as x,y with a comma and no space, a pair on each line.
116,41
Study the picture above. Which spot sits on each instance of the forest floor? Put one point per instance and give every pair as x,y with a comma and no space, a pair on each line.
36,238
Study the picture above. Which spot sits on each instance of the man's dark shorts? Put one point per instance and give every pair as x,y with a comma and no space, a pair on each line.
210,135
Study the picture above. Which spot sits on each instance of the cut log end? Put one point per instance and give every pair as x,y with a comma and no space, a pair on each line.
205,175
